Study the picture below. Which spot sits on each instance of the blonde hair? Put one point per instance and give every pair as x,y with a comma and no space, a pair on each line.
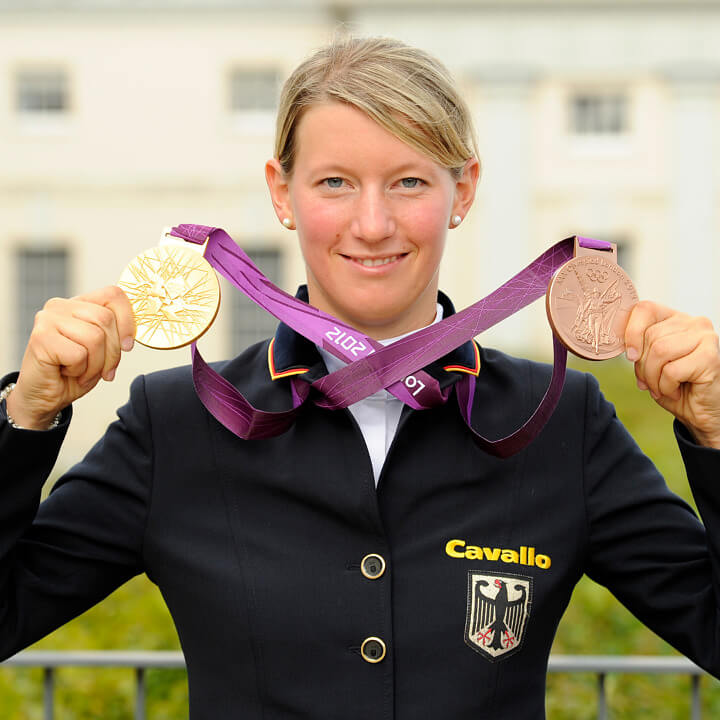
405,90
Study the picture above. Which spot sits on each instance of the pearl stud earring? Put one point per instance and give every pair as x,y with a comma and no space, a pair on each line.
287,222
456,220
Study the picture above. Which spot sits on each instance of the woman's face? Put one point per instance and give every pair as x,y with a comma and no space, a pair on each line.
371,214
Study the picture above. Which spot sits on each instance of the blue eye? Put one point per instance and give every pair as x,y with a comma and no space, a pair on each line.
410,182
334,182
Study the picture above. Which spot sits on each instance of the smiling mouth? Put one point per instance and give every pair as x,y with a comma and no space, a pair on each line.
376,262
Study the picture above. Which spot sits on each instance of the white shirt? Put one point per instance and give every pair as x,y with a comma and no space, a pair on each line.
378,414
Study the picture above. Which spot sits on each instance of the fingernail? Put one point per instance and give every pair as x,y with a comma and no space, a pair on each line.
127,344
632,354
642,385
110,375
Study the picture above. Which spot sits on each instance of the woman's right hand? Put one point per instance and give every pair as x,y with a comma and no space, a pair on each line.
74,343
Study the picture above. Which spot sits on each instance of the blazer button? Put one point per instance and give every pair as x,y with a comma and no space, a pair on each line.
373,650
372,566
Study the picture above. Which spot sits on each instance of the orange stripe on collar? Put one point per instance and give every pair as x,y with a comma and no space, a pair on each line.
274,374
461,368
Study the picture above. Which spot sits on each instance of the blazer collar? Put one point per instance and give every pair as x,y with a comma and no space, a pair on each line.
290,353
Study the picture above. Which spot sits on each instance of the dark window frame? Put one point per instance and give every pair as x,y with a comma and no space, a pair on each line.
599,113
42,272
250,323
253,89
42,92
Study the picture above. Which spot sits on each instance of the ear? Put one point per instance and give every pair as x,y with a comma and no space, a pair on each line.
465,187
279,186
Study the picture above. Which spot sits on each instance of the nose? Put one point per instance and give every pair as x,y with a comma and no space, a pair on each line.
373,218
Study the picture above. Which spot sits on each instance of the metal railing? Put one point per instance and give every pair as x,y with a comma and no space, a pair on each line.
140,661
602,665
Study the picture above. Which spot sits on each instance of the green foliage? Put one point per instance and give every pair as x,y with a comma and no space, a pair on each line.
132,618
135,617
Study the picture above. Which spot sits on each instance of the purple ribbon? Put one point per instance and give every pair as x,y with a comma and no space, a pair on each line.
372,366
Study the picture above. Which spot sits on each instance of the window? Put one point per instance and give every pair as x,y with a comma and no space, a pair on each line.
599,113
42,92
253,90
42,273
250,323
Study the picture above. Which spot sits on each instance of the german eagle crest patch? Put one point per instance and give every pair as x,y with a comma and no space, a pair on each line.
498,608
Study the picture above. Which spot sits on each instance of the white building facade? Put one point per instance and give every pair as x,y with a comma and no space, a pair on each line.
120,118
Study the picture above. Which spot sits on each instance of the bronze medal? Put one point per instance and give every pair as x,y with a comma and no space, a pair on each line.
588,303
175,295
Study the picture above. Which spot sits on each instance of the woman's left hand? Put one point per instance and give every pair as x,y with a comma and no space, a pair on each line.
677,359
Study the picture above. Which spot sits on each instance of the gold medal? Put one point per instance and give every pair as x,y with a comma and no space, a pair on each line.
174,293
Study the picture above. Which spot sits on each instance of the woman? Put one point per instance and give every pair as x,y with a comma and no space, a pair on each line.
371,563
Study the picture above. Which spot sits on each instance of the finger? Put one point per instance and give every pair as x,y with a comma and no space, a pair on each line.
105,319
90,337
117,301
654,321
701,366
75,370
43,348
68,357
679,336
673,375
661,348
643,315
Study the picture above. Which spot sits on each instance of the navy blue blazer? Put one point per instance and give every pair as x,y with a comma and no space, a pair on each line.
300,591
